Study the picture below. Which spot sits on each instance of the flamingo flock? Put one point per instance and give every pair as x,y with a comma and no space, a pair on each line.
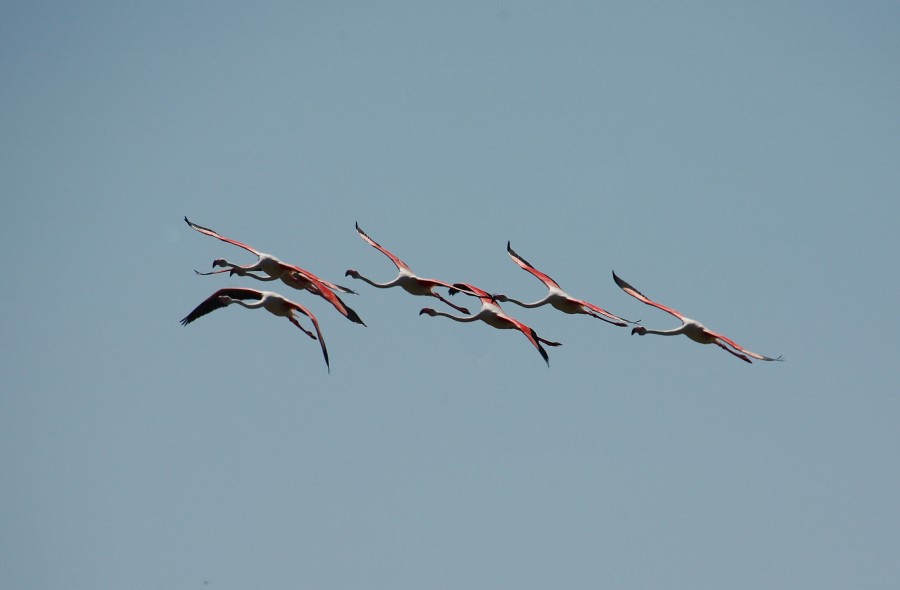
491,313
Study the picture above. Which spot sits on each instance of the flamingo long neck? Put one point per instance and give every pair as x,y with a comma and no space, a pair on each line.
534,304
387,285
241,270
468,318
255,305
673,332
246,273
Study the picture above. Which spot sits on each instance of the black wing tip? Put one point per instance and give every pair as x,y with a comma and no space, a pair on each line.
462,288
622,284
540,348
354,317
361,233
515,254
347,289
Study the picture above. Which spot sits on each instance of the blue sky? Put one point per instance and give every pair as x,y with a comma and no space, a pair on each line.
736,162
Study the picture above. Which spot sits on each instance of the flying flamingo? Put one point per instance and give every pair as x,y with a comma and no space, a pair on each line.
405,277
273,302
492,315
690,328
291,275
558,298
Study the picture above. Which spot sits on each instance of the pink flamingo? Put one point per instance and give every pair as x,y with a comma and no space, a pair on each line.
405,279
690,328
494,316
558,298
272,302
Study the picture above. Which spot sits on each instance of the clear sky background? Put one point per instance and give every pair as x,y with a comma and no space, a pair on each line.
739,163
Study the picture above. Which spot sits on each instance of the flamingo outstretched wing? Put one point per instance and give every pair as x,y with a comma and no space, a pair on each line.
296,306
331,297
740,348
641,297
468,289
397,262
218,236
532,337
524,264
213,302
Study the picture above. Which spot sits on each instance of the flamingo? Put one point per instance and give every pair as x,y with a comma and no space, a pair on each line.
272,302
690,328
558,298
494,316
291,275
405,277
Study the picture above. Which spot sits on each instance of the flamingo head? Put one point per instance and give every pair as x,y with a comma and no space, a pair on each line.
499,297
352,273
225,300
641,330
219,262
428,311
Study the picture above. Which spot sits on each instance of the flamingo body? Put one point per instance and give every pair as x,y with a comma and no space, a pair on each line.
690,328
268,300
